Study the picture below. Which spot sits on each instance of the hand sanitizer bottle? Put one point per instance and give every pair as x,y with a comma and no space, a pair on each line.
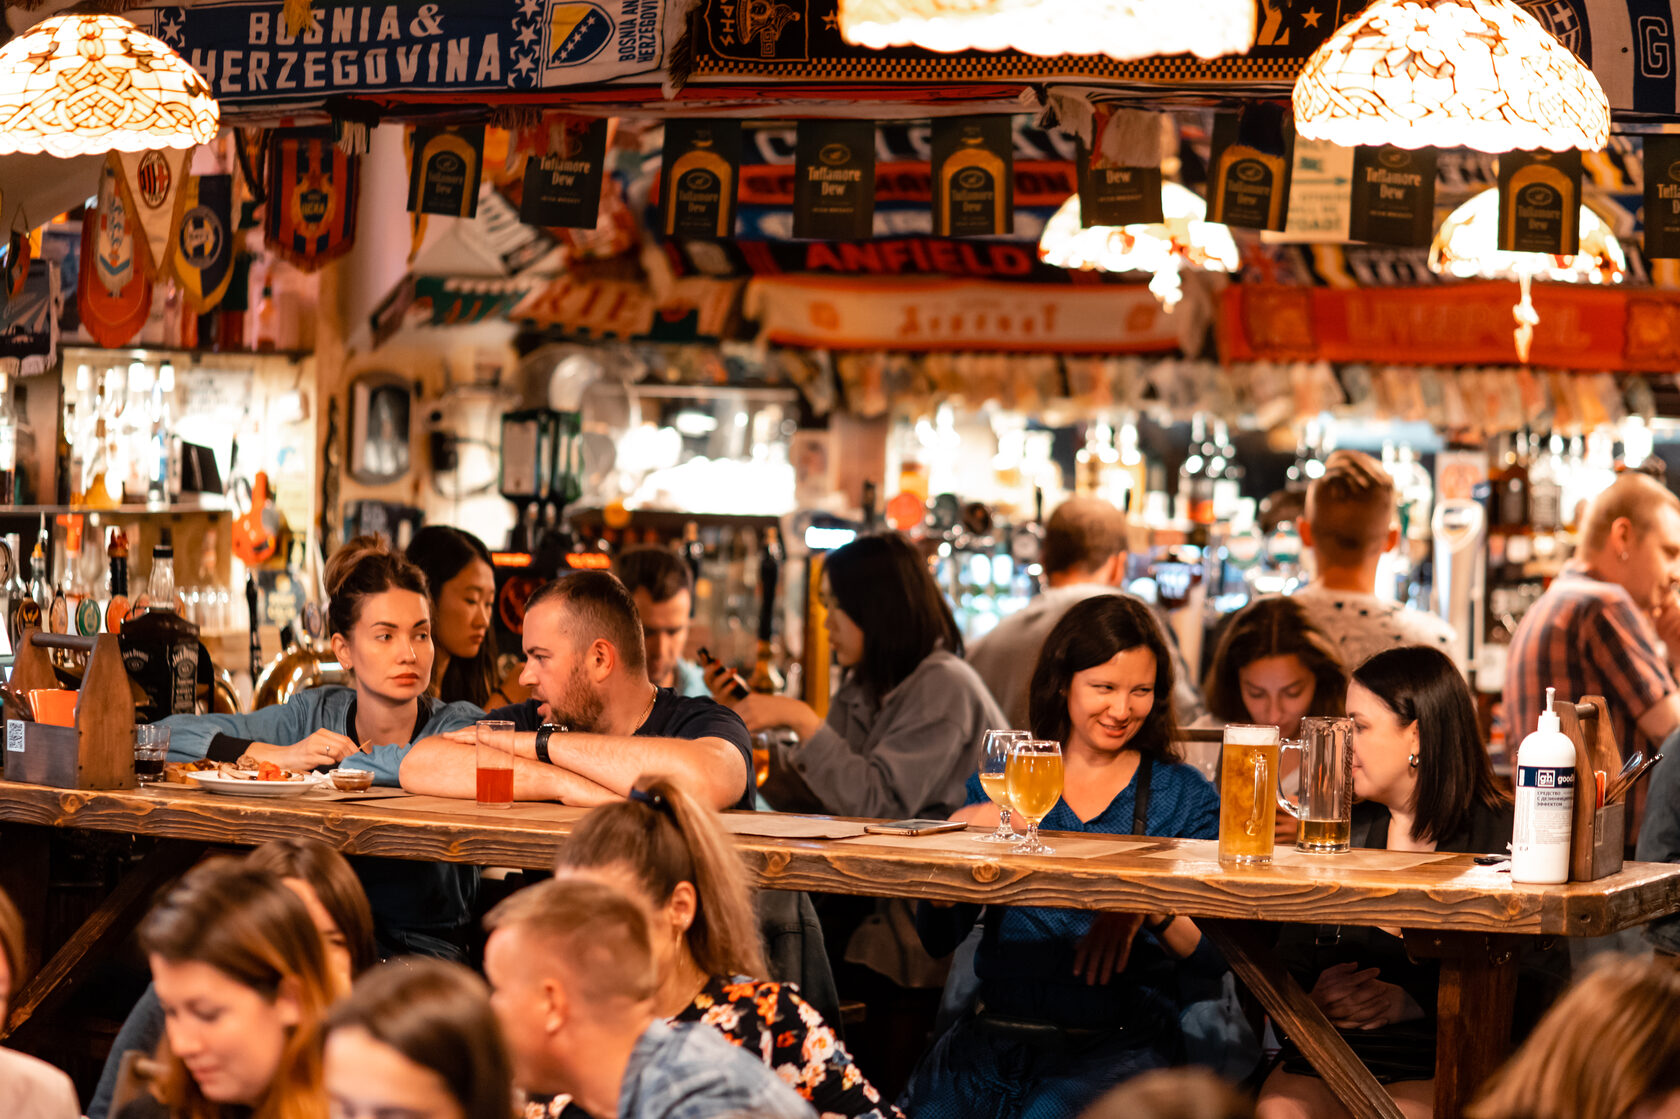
1545,803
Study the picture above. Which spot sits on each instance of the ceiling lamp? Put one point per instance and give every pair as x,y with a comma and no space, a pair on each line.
1467,248
1480,74
1163,248
89,84
1124,29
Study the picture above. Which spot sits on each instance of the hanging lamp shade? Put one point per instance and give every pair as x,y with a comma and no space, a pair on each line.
1467,247
1123,29
88,84
1183,239
1480,74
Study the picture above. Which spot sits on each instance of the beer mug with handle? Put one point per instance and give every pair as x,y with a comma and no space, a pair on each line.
1247,793
1324,798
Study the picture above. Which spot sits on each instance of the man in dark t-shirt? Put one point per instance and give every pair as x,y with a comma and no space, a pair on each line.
595,723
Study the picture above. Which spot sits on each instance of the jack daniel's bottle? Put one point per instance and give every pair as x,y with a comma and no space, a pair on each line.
160,648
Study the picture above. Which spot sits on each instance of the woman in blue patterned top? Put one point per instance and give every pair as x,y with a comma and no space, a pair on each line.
1073,1002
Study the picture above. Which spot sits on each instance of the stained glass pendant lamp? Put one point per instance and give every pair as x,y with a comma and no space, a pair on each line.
1467,247
1123,29
87,84
1480,74
1165,248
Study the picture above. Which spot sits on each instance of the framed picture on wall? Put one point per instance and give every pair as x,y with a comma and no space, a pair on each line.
380,427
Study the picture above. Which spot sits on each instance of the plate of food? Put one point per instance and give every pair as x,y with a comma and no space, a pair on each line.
266,780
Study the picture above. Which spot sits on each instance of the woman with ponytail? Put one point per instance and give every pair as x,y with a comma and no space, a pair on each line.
667,849
379,611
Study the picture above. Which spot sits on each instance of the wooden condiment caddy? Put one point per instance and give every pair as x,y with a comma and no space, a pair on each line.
1598,835
96,753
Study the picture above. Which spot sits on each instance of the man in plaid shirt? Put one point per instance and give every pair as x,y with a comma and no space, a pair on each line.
1609,624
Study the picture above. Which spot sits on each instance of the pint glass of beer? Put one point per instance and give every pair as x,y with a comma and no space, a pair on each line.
495,763
1247,793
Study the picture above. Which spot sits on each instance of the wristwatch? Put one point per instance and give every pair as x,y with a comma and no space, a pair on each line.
543,733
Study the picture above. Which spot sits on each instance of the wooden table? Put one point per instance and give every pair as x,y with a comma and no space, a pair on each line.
1469,916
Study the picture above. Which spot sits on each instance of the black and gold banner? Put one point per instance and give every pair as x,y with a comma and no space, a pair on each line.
1248,176
1662,197
1540,202
1113,195
973,176
700,170
444,170
834,180
562,187
1393,196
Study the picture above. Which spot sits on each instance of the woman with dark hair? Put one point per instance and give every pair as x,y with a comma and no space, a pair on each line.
903,733
417,1038
1424,783
1071,1003
323,880
244,983
664,848
1273,666
463,590
380,615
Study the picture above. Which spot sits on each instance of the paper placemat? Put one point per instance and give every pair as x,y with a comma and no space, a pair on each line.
1357,859
968,843
777,825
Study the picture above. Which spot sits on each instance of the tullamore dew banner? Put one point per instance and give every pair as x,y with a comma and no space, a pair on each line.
245,50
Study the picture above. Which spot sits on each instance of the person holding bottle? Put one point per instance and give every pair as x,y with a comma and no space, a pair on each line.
1071,1002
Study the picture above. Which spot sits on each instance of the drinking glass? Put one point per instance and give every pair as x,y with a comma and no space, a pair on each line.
151,751
495,763
1034,780
1324,800
994,778
1248,793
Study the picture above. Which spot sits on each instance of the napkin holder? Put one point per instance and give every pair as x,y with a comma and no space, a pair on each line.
1597,835
96,753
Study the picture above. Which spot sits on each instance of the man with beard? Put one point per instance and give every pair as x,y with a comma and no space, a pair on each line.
595,723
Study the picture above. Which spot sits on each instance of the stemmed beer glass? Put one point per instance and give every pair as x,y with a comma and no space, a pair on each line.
994,771
1035,785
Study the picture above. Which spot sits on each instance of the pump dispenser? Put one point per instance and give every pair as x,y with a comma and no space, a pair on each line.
1545,803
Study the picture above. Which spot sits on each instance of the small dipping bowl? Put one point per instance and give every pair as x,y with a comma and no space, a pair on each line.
352,780
55,707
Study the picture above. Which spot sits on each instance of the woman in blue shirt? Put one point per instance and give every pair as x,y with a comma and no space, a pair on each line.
1072,1002
380,614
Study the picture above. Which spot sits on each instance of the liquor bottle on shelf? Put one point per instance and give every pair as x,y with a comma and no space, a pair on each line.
765,679
40,580
693,552
8,443
117,605
1227,475
160,648
1195,484
160,475
1545,488
1510,488
16,592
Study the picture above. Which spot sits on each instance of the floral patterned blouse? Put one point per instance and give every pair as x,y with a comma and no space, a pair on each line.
771,1021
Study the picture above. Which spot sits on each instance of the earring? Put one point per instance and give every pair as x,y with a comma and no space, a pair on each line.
1412,760
1624,557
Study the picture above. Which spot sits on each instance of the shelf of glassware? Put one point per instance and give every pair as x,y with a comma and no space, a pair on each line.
206,504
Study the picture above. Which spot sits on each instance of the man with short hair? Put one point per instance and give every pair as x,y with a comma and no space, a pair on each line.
1350,522
663,590
1601,626
595,722
573,978
1084,554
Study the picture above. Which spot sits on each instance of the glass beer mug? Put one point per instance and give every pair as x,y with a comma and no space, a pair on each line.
1324,799
1247,793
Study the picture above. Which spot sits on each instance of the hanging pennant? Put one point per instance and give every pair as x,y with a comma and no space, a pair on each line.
1248,176
699,173
151,187
1119,174
312,190
113,292
834,180
203,260
20,250
1540,202
1393,196
563,176
1662,197
444,170
973,177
